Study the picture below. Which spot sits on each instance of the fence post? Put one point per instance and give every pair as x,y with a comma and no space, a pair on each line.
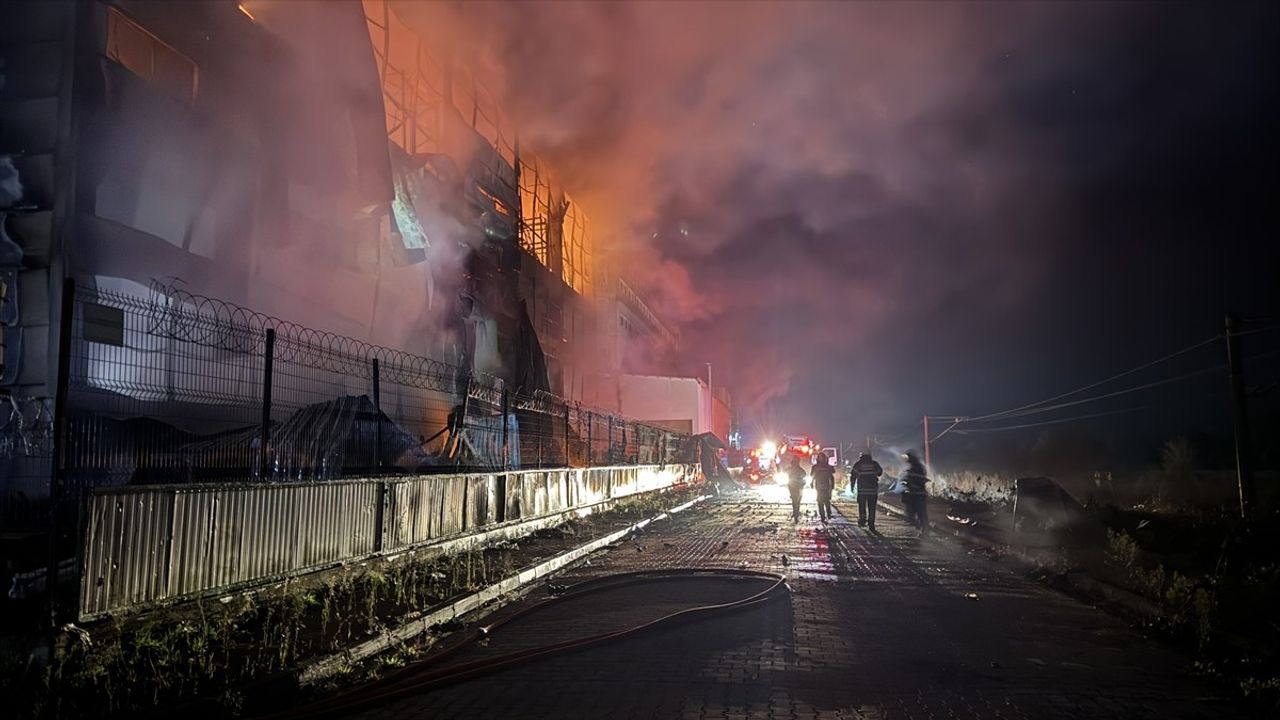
268,366
458,443
566,435
590,423
380,506
379,516
506,438
377,419
502,498
608,445
57,474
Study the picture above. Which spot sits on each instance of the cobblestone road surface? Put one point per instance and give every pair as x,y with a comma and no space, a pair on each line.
878,627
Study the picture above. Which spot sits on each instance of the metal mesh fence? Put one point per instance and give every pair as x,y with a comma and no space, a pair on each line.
180,388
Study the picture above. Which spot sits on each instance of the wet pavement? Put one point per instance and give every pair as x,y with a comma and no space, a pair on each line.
877,626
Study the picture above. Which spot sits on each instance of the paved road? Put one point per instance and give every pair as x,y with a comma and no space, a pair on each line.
877,628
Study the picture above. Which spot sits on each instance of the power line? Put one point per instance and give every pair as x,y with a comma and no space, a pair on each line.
1264,328
955,422
1053,422
1082,417
1177,378
1116,393
888,439
1144,366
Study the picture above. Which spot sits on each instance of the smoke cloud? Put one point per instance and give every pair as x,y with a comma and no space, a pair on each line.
777,176
859,212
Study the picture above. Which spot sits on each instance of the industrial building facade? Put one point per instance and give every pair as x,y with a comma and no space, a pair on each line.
313,161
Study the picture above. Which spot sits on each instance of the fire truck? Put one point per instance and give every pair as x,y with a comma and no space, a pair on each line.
767,460
802,446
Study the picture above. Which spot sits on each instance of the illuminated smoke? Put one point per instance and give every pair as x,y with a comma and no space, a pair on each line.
275,201
781,180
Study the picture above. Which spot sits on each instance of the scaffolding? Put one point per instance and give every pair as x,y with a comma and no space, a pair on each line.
533,238
419,88
536,209
413,81
576,249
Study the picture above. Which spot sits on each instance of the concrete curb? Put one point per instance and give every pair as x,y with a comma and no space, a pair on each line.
507,590
1080,583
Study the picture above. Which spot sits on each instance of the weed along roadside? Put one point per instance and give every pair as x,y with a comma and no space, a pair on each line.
406,642
1198,583
225,656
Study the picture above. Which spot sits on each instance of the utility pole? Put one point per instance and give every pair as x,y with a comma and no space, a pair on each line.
927,464
711,403
1240,416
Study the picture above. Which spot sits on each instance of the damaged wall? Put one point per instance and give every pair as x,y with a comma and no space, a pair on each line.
268,186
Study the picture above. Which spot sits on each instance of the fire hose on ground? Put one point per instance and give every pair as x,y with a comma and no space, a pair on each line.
426,675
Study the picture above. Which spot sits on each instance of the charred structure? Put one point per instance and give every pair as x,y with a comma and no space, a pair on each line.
285,241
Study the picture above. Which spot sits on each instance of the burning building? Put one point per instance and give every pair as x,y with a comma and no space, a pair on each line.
324,162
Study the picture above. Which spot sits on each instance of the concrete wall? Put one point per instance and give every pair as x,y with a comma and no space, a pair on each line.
673,402
269,185
721,415
149,545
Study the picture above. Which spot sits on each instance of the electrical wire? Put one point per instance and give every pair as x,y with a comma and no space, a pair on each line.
880,441
1144,366
1137,388
954,424
1053,422
1115,393
1085,417
1253,331
1036,408
420,676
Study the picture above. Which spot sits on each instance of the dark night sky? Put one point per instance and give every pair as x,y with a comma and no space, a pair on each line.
944,208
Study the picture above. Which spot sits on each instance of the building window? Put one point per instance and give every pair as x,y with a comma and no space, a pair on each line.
148,57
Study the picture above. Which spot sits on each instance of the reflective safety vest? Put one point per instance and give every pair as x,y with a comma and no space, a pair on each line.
867,475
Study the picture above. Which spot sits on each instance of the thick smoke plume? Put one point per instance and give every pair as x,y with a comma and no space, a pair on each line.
852,209
776,176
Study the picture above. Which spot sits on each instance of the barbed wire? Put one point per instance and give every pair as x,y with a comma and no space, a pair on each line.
175,313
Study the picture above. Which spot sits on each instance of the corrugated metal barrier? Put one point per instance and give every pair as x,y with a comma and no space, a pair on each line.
153,544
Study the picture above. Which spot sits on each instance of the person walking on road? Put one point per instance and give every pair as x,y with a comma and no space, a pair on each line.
866,480
914,497
795,483
824,482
